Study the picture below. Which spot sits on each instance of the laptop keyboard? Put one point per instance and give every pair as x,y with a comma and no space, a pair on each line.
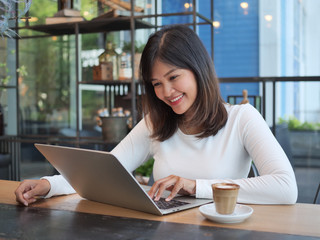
163,204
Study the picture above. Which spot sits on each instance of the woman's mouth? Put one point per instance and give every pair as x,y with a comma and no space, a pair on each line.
176,100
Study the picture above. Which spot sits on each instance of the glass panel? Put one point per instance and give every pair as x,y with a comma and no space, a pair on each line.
206,33
89,10
168,6
7,63
45,92
8,97
298,131
7,126
204,8
272,38
37,16
90,108
236,39
175,20
289,36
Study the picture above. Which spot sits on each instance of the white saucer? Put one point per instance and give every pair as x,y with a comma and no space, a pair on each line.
241,212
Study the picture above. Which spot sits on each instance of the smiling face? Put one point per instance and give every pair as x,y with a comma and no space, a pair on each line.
174,86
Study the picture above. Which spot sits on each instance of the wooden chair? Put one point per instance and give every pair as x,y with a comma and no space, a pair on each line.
245,98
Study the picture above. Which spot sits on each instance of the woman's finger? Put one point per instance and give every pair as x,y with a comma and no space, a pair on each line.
176,188
155,187
164,185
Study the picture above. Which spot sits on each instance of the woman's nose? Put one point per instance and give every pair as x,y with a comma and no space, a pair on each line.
167,90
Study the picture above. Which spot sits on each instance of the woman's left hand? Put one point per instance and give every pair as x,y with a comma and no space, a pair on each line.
175,184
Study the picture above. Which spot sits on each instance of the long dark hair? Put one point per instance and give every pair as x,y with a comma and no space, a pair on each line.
179,46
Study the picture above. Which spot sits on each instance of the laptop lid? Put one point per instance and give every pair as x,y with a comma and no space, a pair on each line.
100,177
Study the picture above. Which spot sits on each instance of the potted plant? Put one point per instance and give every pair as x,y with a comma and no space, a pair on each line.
144,172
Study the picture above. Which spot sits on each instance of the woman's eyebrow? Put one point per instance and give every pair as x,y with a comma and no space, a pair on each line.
166,74
170,71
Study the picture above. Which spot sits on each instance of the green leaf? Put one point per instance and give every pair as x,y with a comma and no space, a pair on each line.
146,168
294,124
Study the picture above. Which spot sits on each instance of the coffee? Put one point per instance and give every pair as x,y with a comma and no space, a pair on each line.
225,197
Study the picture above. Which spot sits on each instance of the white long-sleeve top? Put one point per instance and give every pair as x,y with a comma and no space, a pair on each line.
225,157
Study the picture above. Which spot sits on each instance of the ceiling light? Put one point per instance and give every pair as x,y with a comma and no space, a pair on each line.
216,24
244,5
268,17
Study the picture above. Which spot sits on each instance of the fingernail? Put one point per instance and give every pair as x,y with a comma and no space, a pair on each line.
25,203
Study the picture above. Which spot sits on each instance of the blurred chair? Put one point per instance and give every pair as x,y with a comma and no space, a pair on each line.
151,180
317,197
253,171
5,160
245,98
283,137
5,163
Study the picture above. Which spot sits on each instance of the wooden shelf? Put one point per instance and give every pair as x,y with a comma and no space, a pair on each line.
106,83
109,83
93,26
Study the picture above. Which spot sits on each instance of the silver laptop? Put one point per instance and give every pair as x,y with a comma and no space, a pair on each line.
100,177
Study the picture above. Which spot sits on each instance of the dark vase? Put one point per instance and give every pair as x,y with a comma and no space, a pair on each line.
63,4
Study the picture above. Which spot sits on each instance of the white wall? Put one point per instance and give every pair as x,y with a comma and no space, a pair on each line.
277,56
310,108
269,47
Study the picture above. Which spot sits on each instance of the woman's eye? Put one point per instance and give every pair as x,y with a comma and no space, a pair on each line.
156,84
173,77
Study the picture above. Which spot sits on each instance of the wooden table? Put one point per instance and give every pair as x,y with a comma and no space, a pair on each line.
96,220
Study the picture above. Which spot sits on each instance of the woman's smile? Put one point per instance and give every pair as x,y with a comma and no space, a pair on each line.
176,100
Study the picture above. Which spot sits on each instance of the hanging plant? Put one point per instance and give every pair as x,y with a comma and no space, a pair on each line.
9,13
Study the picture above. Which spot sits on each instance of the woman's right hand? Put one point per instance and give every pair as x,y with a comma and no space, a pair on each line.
30,190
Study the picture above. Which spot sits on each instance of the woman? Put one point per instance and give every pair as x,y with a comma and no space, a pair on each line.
195,138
